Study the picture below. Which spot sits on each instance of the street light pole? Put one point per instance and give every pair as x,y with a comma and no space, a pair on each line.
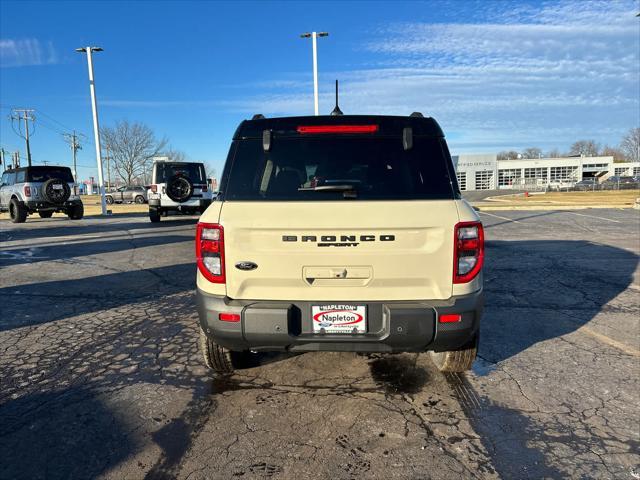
314,36
96,126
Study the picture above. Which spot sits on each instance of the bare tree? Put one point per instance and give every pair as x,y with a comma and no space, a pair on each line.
555,153
630,145
508,155
532,152
209,170
132,147
588,148
616,153
176,155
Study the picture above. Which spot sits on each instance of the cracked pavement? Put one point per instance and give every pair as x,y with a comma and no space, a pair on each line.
100,374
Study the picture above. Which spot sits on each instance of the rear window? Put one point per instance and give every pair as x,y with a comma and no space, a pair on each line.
42,174
193,171
338,167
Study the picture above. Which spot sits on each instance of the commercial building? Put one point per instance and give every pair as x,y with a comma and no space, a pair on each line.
486,172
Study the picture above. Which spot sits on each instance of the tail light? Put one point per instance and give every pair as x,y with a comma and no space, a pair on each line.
210,251
27,191
468,251
450,318
337,129
154,188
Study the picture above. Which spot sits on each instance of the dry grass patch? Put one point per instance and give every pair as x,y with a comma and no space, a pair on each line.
613,198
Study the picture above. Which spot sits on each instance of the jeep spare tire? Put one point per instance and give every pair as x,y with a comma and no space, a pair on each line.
55,190
179,188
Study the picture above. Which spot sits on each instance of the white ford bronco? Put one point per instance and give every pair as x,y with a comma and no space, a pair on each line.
339,233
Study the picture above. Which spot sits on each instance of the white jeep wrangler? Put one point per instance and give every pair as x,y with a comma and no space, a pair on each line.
340,233
178,187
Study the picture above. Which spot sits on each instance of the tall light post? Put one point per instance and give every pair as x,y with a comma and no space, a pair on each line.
96,126
314,36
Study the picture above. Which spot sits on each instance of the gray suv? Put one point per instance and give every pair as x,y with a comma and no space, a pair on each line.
41,189
131,193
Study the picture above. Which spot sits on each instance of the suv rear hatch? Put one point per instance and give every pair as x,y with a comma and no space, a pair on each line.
340,214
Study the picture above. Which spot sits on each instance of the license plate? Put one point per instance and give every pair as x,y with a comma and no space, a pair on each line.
57,187
339,318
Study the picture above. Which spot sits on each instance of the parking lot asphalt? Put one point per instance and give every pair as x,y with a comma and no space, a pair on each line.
100,374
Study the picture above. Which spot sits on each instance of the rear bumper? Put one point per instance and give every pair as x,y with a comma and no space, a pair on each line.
42,205
192,204
392,326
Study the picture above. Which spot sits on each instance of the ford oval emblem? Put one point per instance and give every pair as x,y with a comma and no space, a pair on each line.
246,266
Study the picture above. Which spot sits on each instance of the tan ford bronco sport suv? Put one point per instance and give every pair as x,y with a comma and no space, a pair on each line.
339,233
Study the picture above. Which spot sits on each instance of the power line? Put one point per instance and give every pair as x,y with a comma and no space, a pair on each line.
65,127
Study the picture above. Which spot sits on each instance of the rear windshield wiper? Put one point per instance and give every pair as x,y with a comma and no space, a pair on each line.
349,191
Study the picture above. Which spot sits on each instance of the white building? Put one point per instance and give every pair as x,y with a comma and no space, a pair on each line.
486,172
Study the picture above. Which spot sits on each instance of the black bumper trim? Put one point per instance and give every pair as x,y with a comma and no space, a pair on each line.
202,203
392,326
43,205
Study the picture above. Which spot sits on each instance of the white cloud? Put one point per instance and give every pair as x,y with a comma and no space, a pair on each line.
544,76
27,52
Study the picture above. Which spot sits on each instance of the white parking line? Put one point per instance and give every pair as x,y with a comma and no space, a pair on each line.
593,216
498,216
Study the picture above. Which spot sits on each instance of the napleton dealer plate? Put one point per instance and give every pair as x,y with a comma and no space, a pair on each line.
339,318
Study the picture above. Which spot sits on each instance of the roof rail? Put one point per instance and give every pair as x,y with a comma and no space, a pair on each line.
257,116
417,114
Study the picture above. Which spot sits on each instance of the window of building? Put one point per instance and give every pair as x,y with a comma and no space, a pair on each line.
462,180
620,171
596,165
536,173
508,177
636,171
564,173
484,180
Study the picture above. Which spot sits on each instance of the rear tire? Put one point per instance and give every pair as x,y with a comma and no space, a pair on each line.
45,213
459,360
76,213
154,214
17,211
109,200
217,358
139,199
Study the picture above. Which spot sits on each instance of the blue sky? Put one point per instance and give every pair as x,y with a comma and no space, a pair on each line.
495,74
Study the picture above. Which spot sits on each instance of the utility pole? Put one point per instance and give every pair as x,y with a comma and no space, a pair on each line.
96,127
314,36
108,158
2,157
25,114
74,142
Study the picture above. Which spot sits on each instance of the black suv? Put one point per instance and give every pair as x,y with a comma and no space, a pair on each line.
41,189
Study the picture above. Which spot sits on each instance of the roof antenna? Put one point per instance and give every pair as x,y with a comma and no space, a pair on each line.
336,111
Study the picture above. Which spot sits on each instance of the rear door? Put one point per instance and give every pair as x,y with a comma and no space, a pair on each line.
340,218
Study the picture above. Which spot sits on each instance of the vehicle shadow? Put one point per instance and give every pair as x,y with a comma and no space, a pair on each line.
75,409
64,251
68,434
59,299
542,289
54,227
